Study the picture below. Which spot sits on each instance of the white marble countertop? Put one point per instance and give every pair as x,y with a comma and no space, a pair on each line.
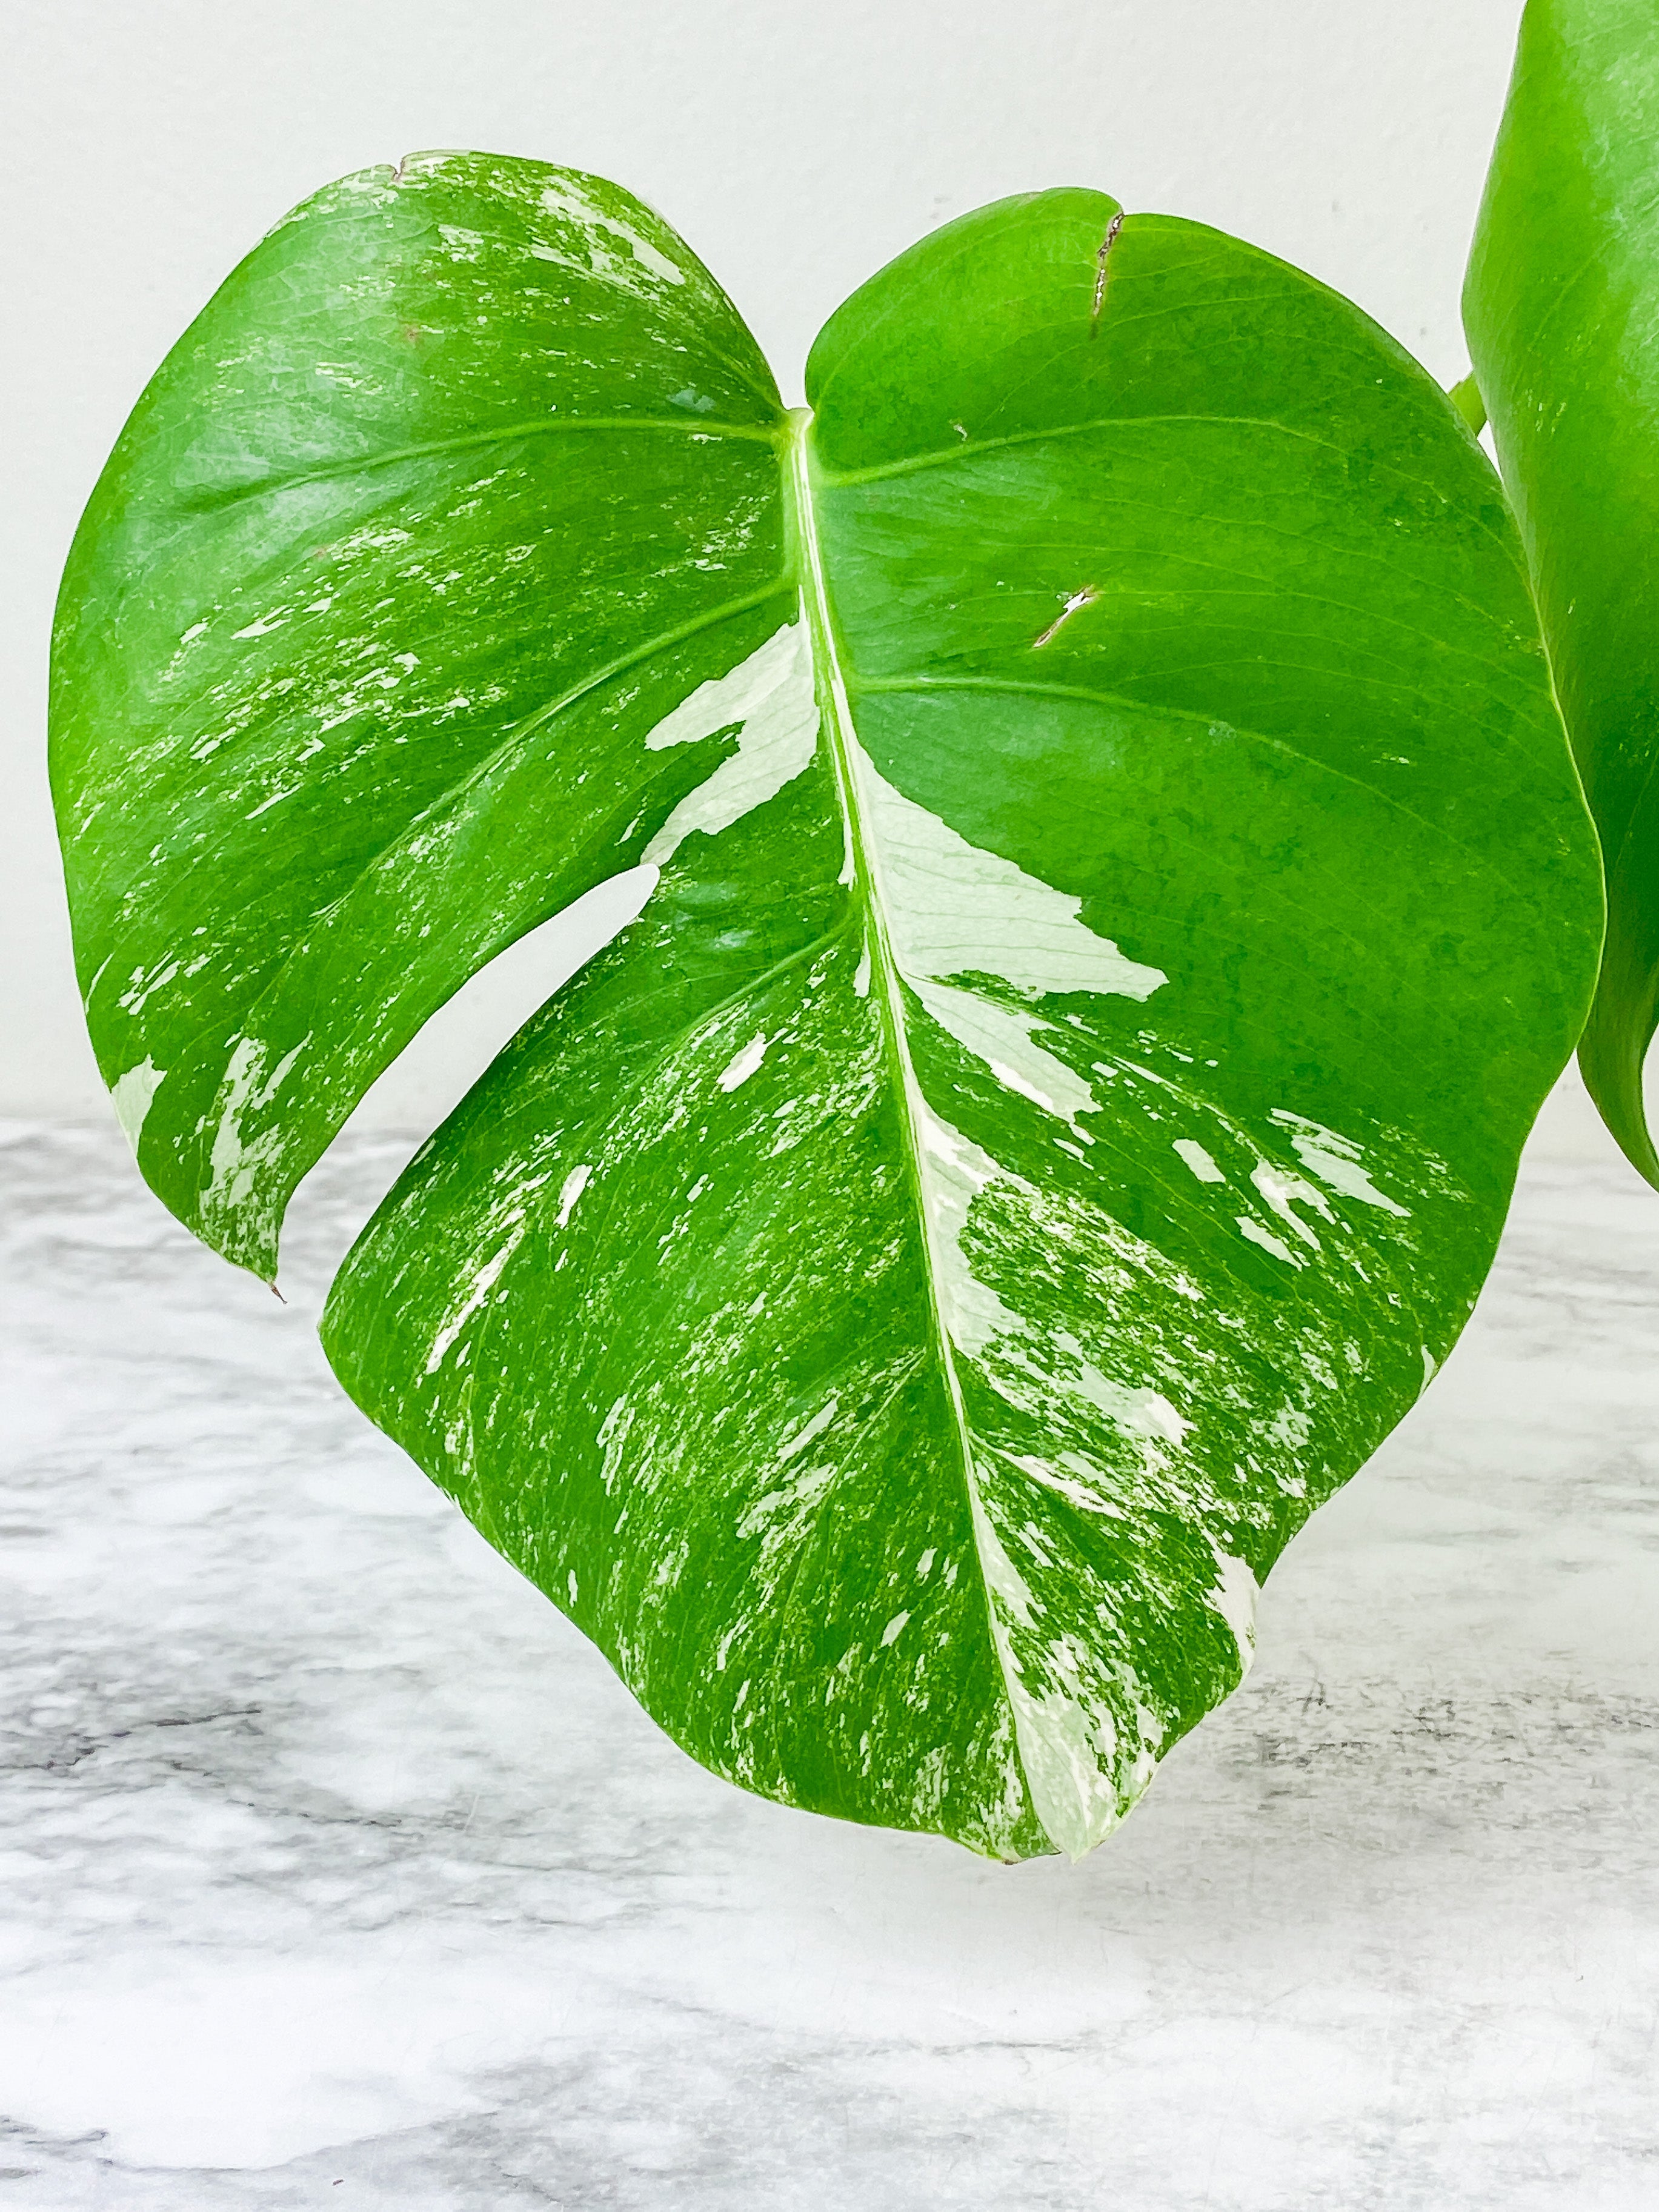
340,1871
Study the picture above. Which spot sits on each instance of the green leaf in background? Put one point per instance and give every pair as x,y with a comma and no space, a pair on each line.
1561,306
1118,893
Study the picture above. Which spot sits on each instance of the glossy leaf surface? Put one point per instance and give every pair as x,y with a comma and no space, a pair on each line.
1562,310
1119,894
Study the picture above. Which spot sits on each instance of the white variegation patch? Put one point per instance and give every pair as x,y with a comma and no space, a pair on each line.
816,1427
1337,1161
597,226
1068,1736
953,911
482,1281
1284,1192
1268,1240
1198,1160
954,1172
236,1185
743,1063
771,696
572,1189
131,1094
1233,1598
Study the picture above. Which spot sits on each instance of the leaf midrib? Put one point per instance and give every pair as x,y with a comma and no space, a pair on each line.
885,977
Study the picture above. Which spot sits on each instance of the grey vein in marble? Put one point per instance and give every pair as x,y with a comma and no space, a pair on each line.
339,1871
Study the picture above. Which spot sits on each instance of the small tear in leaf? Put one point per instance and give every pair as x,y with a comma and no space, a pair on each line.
1086,597
1103,255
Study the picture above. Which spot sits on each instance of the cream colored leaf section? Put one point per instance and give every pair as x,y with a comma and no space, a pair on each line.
1234,1596
953,911
566,200
1194,1155
132,1094
1337,1161
1068,1736
771,696
238,1164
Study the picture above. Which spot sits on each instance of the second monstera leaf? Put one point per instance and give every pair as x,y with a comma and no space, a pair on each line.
1562,310
1118,894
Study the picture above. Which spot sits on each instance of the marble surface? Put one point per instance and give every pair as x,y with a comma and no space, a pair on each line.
339,1871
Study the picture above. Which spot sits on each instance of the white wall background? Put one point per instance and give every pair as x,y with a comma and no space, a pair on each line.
150,143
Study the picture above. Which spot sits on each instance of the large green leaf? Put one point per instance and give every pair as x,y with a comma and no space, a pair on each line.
1119,894
1562,310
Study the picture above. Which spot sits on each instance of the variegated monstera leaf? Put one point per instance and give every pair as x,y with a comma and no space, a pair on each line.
1118,893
